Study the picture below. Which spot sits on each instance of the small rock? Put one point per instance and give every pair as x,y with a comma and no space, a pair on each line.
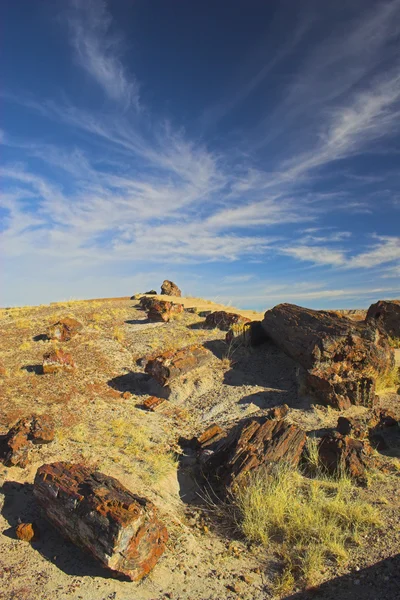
64,329
56,361
26,532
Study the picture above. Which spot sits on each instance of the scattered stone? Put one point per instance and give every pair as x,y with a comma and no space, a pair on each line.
163,311
342,357
64,329
15,446
97,513
278,412
57,360
249,333
253,444
223,320
339,453
153,403
172,364
27,532
386,316
212,434
169,288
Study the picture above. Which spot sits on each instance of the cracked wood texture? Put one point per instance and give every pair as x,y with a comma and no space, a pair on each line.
171,365
342,357
100,515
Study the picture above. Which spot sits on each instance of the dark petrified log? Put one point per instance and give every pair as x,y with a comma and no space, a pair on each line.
385,314
224,320
15,446
342,357
169,288
100,515
249,333
172,364
341,453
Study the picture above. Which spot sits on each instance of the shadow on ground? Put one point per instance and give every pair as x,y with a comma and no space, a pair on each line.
20,506
135,383
37,369
377,582
42,337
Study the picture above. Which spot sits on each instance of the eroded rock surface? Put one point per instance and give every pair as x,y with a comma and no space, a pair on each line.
96,512
342,358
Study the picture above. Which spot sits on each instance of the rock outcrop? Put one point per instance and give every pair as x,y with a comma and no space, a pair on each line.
169,288
385,315
64,329
253,444
58,360
97,513
173,364
342,358
16,445
224,320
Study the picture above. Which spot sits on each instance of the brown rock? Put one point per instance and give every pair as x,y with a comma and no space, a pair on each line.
57,360
97,513
385,315
163,311
64,329
339,453
153,403
27,532
169,288
172,364
342,357
361,426
253,444
16,444
212,434
224,320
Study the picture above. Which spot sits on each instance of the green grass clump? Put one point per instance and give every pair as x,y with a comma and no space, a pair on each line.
311,520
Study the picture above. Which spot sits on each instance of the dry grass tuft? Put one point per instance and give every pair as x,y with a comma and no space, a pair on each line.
388,380
313,520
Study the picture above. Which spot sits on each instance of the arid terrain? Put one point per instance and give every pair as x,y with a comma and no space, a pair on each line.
100,421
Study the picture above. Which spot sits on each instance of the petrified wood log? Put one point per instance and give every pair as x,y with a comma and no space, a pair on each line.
16,444
224,320
342,357
170,365
58,360
169,288
249,333
341,453
253,444
386,316
64,329
100,515
162,310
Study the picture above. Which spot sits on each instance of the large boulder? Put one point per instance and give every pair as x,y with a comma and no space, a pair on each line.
97,513
385,314
342,358
169,288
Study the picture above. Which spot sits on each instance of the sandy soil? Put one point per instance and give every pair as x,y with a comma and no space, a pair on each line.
100,421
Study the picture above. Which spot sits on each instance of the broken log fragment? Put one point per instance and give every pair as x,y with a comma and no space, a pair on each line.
340,454
153,403
385,315
58,360
17,443
162,310
253,444
224,320
342,357
169,288
100,515
64,329
172,364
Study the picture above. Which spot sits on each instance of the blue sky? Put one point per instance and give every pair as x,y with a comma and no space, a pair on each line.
249,151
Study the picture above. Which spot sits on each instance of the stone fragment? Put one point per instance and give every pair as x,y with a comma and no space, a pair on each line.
223,320
340,453
27,532
172,364
361,426
153,403
249,333
64,329
17,443
169,288
58,360
385,315
163,311
98,514
253,444
278,412
342,358
212,434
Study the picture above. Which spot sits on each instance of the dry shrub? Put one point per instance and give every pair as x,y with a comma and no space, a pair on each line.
312,520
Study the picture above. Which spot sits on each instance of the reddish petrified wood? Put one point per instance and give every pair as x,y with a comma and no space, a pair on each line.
224,320
162,310
253,444
100,515
64,329
153,403
212,434
170,365
27,532
169,288
58,360
16,444
341,453
385,314
342,357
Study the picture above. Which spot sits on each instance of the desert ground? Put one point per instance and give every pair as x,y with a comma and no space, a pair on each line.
100,421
